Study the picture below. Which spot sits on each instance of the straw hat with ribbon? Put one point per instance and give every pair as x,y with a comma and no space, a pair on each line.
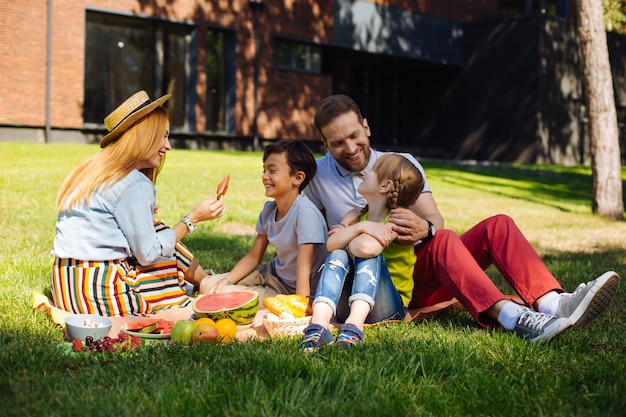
128,113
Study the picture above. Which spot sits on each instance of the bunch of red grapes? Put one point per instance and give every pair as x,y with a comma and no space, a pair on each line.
121,343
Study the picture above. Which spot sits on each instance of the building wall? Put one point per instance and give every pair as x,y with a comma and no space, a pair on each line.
514,95
22,62
285,99
520,97
288,99
450,9
561,132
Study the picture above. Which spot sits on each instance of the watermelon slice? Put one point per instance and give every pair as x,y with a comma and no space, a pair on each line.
240,306
150,326
164,327
135,326
149,329
222,187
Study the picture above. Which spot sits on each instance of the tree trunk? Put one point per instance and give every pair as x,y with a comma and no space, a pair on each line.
607,199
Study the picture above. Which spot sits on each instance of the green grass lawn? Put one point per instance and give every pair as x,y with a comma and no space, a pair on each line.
442,366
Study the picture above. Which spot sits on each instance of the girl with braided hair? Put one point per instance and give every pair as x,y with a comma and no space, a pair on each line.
367,278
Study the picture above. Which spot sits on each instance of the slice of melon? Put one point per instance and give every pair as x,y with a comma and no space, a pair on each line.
240,306
222,187
135,326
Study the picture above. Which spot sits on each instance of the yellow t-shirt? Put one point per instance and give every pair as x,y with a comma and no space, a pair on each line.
400,260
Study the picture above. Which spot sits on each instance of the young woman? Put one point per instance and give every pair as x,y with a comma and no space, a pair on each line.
367,278
111,257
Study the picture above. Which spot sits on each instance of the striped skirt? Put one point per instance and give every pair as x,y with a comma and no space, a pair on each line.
120,288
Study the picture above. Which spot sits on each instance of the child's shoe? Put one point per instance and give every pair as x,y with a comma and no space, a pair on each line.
349,335
315,336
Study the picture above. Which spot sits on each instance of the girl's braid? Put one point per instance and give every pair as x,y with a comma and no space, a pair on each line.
392,202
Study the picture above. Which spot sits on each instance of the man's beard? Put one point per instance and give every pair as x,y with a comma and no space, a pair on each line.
363,160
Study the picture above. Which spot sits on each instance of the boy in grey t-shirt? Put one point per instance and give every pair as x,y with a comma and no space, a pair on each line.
290,222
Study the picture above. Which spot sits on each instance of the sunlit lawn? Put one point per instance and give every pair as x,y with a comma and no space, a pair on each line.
445,365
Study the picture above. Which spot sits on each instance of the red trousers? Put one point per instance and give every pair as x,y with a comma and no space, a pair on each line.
452,266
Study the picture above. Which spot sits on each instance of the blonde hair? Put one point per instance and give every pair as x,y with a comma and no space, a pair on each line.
115,161
407,181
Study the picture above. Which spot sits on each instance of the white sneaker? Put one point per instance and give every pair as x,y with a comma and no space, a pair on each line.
589,300
539,327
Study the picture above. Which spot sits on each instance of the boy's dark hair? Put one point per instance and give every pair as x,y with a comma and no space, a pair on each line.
332,107
299,158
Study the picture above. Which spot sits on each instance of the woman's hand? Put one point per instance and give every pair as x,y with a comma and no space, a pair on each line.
209,209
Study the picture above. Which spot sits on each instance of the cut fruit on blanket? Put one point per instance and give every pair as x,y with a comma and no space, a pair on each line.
151,326
222,187
240,306
135,326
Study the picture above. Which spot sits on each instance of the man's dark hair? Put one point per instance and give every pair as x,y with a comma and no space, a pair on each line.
299,158
332,107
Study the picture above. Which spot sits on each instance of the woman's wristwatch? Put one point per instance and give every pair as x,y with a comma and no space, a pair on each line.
190,226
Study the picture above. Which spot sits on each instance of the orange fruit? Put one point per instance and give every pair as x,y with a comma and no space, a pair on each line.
202,321
227,329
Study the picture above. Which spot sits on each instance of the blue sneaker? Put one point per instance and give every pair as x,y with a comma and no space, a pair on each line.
315,336
349,335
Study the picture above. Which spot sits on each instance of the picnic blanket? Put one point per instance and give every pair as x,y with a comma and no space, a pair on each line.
256,330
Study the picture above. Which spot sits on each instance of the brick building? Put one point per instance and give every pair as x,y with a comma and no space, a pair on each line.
480,79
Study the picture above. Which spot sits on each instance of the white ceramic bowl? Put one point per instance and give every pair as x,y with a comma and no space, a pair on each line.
79,326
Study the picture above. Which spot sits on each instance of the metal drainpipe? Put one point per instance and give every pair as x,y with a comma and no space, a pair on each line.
48,58
257,6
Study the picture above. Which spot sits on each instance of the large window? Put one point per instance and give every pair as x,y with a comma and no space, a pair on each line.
299,56
125,54
219,66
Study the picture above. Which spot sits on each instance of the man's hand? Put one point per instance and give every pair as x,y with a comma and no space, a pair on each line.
408,225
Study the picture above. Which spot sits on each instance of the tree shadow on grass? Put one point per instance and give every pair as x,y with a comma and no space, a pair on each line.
559,188
221,251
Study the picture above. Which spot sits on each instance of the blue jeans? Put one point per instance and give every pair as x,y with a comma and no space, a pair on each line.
370,281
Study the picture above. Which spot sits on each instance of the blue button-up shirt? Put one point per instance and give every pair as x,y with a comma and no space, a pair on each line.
118,222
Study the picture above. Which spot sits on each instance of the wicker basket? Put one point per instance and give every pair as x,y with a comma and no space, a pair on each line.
286,327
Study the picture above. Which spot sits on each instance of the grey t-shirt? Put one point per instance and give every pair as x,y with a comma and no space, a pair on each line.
303,224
